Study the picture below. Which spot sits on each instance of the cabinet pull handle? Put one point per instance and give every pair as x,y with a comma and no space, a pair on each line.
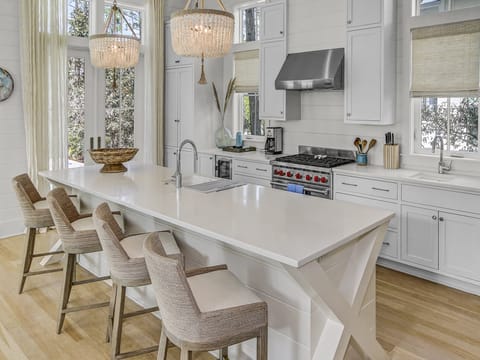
265,170
177,61
242,167
441,218
211,158
349,21
434,217
176,120
349,114
348,184
380,189
386,243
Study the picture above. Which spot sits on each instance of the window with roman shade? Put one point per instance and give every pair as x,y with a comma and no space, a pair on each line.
445,60
247,71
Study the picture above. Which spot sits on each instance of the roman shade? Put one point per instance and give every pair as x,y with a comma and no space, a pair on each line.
247,70
445,60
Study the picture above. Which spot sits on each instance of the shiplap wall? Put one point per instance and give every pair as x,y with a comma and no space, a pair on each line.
12,134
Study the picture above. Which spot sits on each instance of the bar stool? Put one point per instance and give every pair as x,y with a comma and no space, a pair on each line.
78,236
127,269
35,216
203,309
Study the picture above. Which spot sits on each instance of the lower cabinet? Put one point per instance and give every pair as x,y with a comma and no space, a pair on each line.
420,236
170,157
252,172
206,165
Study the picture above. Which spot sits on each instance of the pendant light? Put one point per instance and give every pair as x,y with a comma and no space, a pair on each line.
203,33
114,50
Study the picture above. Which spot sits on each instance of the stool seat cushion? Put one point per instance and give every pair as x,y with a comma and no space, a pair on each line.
87,223
41,204
133,245
220,290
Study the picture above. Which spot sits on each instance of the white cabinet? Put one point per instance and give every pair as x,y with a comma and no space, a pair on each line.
420,236
272,21
459,241
364,12
179,105
370,63
170,154
252,172
206,165
172,59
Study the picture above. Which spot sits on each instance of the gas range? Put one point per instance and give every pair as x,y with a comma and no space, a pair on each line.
310,171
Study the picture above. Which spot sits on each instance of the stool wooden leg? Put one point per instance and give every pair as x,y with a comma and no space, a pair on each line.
27,257
262,344
111,310
185,354
118,320
66,289
162,347
224,353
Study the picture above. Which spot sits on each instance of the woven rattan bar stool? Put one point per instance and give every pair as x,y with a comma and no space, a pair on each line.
78,236
35,216
127,269
203,309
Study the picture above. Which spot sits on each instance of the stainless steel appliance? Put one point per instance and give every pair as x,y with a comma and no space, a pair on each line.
223,167
309,171
274,142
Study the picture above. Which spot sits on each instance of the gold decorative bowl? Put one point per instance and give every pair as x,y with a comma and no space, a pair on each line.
112,158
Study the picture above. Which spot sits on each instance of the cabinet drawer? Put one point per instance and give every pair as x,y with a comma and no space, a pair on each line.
390,245
394,223
251,180
249,168
441,198
376,188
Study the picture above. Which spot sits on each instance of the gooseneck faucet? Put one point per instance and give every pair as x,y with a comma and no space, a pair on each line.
442,166
178,173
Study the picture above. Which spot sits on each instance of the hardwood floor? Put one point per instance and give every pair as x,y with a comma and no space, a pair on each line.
415,318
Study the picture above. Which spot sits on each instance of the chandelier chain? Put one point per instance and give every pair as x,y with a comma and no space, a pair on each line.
113,11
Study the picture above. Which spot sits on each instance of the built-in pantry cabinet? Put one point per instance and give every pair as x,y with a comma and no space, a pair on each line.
435,231
370,70
275,104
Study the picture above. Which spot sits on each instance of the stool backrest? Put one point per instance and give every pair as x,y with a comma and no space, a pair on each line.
179,310
110,235
27,194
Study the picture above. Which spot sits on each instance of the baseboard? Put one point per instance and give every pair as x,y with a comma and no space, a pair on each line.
11,228
433,277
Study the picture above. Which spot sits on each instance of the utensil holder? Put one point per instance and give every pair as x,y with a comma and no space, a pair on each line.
391,156
362,159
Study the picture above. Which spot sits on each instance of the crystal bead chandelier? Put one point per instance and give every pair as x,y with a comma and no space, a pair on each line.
203,33
114,50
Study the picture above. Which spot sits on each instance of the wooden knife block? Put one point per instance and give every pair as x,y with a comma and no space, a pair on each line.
391,156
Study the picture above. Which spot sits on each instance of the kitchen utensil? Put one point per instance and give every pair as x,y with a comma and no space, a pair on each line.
372,143
364,146
357,144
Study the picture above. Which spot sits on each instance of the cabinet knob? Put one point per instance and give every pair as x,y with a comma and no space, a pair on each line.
211,158
349,114
441,218
349,21
281,112
281,32
434,217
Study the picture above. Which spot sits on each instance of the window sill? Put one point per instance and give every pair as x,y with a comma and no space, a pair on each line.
247,46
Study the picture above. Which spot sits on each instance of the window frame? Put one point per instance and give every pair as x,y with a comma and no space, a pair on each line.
415,21
95,98
238,119
237,10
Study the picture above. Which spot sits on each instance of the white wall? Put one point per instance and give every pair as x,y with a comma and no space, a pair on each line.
12,134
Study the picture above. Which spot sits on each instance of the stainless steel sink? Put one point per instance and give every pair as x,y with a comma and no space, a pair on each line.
215,185
432,177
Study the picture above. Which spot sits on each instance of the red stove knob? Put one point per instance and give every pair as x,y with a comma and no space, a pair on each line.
298,176
316,178
324,179
289,174
308,177
277,172
281,173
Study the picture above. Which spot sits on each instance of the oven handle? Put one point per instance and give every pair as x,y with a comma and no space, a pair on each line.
323,192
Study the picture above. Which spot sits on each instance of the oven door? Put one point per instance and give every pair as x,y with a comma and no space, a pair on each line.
323,192
223,167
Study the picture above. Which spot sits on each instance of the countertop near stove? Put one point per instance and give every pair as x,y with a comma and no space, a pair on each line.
257,156
285,227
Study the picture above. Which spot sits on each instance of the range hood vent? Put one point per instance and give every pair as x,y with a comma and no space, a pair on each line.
321,69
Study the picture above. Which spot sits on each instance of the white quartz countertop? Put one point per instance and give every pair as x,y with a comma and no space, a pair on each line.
286,227
258,156
447,180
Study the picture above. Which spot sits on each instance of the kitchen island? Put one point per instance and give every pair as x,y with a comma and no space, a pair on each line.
312,260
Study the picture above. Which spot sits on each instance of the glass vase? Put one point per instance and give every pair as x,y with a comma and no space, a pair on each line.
223,136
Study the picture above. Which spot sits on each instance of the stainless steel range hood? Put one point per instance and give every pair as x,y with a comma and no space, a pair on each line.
321,69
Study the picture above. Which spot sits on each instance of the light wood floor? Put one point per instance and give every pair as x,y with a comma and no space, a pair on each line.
415,318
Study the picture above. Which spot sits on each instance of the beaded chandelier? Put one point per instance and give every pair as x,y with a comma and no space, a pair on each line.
203,33
114,50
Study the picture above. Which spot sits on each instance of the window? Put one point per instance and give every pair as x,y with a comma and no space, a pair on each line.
100,103
247,18
427,7
250,124
454,119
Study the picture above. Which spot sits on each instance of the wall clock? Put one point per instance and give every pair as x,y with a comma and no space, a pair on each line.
6,84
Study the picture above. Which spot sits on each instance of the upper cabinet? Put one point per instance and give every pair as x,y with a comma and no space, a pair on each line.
370,62
273,21
275,104
172,59
364,13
